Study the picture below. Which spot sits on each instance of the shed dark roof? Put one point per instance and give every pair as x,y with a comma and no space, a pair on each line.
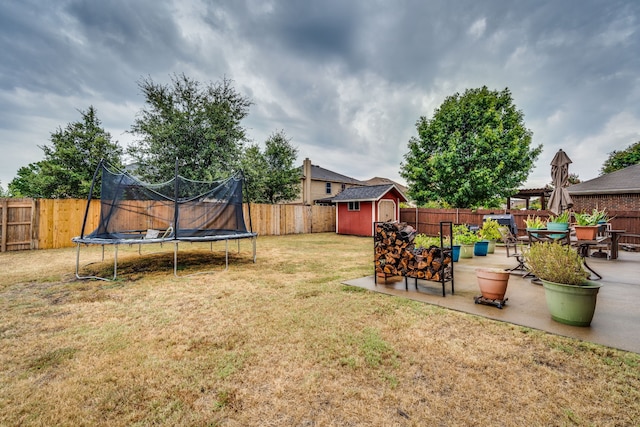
622,181
366,193
321,174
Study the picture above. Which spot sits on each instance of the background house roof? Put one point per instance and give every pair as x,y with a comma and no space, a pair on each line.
622,181
367,193
321,174
380,181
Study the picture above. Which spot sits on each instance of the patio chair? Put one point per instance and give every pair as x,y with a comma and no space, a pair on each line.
511,243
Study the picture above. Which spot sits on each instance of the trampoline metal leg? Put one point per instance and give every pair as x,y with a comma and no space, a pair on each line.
175,258
115,265
78,260
254,248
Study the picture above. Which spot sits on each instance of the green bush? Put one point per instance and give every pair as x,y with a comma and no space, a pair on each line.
557,263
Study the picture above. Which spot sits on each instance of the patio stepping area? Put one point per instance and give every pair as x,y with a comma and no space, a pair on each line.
616,322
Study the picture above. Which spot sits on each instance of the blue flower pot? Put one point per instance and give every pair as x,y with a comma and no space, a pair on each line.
481,248
456,253
557,226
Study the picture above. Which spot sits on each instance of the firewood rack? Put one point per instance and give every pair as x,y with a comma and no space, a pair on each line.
389,261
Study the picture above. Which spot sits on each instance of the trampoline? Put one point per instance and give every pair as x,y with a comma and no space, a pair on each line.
176,211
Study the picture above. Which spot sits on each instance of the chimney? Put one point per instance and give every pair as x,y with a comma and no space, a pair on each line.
306,186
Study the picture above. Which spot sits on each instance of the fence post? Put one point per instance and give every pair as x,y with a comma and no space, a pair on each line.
5,218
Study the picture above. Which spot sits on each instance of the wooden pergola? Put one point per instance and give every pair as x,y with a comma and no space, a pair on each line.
528,194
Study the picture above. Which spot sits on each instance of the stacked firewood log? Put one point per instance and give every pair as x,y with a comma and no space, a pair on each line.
395,254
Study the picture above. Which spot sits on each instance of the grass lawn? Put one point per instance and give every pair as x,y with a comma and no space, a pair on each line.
278,343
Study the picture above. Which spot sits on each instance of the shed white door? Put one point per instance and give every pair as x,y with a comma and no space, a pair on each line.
386,210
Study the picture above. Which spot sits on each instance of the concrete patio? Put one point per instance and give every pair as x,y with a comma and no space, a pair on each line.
616,322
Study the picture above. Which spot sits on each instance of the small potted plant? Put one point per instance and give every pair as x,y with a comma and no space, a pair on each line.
534,222
424,241
490,231
586,225
558,222
571,298
466,238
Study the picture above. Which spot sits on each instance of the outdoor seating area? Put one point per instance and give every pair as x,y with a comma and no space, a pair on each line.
616,308
605,244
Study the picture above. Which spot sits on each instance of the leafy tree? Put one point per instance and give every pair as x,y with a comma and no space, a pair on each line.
272,176
70,162
254,166
574,178
474,149
199,125
282,175
621,159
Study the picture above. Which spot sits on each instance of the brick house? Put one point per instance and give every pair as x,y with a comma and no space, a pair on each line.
615,191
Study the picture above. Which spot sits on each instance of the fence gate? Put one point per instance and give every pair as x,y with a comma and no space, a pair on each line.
17,219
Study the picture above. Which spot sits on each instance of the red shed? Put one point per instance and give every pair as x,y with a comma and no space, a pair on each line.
357,208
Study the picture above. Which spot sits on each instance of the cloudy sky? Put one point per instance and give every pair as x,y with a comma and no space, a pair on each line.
346,80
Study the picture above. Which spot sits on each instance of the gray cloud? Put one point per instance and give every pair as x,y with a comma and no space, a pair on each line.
345,80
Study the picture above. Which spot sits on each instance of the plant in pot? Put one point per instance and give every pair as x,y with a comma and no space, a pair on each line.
424,241
490,231
571,298
586,225
558,222
466,238
534,223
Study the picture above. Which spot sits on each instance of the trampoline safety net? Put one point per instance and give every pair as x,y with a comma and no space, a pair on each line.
179,209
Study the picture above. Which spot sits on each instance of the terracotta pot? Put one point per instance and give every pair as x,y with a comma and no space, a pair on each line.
586,232
492,282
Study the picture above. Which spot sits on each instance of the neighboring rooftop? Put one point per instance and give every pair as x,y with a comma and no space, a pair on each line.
380,181
321,174
366,193
622,181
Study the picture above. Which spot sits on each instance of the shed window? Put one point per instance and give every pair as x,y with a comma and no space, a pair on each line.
328,188
354,206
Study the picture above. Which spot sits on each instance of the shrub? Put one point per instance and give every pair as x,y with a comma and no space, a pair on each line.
557,263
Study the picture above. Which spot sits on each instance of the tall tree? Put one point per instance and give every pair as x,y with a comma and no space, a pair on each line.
475,149
272,176
199,125
70,162
621,159
283,177
254,167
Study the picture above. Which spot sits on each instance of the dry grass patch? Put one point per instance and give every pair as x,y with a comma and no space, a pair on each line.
279,342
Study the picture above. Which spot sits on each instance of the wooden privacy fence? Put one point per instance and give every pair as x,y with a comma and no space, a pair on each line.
427,221
17,224
48,224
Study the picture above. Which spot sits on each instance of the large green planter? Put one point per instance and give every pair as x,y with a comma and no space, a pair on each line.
492,247
571,305
466,251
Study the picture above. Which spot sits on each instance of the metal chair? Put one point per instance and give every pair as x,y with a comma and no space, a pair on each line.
511,243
